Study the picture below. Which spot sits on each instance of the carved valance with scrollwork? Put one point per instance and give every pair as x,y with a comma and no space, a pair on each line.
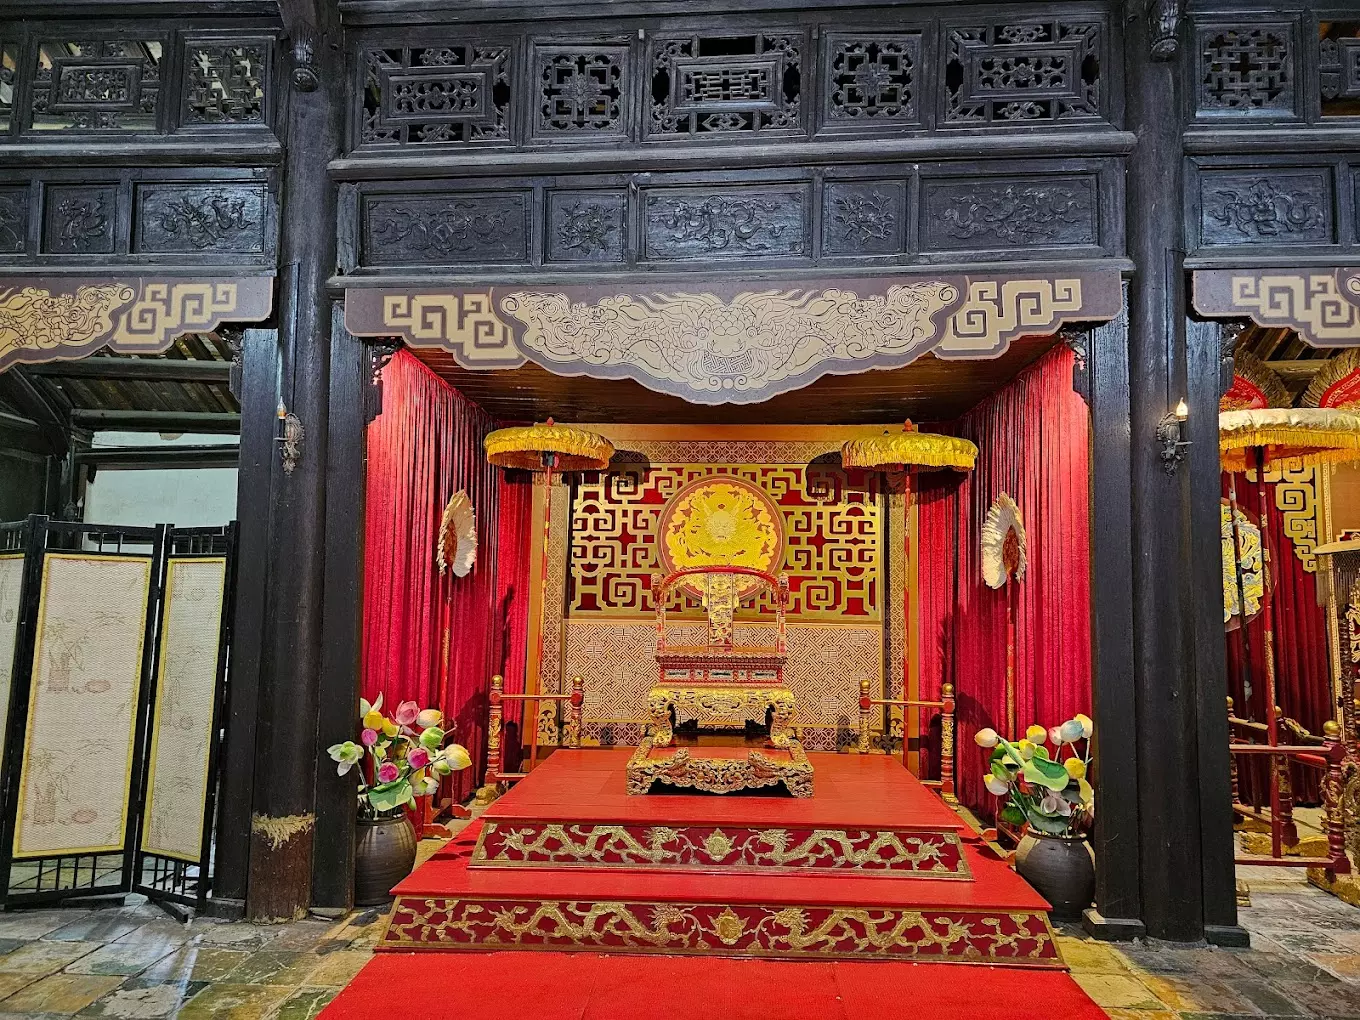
58,319
739,342
1322,305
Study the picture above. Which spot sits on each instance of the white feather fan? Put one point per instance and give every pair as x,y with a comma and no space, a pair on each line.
457,547
1003,556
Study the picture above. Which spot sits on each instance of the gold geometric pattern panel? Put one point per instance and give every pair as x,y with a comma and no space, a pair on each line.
825,665
1296,498
11,582
1322,305
87,666
181,732
42,321
832,537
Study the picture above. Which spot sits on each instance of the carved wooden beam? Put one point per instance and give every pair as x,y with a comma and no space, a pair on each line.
1321,305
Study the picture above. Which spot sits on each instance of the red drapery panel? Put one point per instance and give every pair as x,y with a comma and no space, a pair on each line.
1033,443
514,575
428,638
1302,687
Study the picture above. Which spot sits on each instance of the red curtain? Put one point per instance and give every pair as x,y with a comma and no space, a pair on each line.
1033,442
514,574
428,638
1302,685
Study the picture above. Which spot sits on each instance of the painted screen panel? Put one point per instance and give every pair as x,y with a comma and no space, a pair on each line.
181,732
87,665
11,580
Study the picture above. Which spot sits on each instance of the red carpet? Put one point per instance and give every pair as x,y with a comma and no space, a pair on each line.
583,986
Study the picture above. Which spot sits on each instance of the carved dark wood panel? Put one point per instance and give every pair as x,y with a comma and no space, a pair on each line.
97,85
863,217
1023,72
186,218
1246,70
224,81
80,219
1339,68
585,226
872,79
689,223
459,92
1269,208
13,220
726,83
981,214
9,62
447,228
582,90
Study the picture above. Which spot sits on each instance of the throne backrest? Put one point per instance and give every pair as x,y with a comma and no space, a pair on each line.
720,588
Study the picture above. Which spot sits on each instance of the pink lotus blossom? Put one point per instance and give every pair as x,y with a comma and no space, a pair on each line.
388,772
418,758
369,737
407,713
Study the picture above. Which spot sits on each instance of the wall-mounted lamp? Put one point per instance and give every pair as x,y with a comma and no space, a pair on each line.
1171,435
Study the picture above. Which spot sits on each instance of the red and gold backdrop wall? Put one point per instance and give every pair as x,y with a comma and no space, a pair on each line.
844,553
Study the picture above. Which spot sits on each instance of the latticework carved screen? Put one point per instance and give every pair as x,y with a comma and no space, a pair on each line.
181,731
835,553
87,670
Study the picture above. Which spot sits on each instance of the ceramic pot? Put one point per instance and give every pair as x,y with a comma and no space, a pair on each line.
1061,868
384,854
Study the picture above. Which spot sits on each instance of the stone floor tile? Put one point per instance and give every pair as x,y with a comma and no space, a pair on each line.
43,957
229,1001
1286,967
306,1003
1118,991
1164,958
1267,998
1191,994
1114,1013
302,936
271,968
337,969
98,926
236,934
33,924
11,983
1309,942
61,993
142,1003
8,946
1081,955
164,931
196,963
1338,999
1343,965
123,960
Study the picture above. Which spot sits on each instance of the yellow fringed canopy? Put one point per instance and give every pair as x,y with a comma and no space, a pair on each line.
909,450
1315,435
538,447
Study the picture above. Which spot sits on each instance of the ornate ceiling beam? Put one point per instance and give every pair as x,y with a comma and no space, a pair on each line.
1321,305
736,342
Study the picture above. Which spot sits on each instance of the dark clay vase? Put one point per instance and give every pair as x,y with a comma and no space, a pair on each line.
1061,868
384,854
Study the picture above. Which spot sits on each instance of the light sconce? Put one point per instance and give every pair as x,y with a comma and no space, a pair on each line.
1171,436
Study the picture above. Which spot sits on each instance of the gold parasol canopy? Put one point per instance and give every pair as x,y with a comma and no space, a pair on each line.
1317,435
909,450
548,447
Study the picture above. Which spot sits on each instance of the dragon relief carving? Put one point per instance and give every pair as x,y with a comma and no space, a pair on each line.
205,221
1261,209
740,350
586,228
1017,213
35,321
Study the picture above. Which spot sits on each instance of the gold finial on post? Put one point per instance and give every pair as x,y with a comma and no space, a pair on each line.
865,708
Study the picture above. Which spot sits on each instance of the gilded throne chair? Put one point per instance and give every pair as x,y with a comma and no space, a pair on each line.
720,683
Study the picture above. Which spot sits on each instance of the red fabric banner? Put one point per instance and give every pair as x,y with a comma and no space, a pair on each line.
428,638
1033,442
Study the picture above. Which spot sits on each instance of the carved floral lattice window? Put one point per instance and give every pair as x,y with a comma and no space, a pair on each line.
1246,70
873,78
1023,73
726,84
224,83
98,85
422,95
581,91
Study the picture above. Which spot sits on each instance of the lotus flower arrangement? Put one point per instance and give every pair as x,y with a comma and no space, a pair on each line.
1049,790
407,755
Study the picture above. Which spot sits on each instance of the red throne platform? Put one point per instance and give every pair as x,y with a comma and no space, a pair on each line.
871,867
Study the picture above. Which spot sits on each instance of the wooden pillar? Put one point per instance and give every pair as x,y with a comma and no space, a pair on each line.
283,817
1119,909
1204,386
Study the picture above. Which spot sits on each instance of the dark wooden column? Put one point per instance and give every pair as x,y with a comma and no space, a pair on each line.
1118,906
1205,352
283,816
1168,788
